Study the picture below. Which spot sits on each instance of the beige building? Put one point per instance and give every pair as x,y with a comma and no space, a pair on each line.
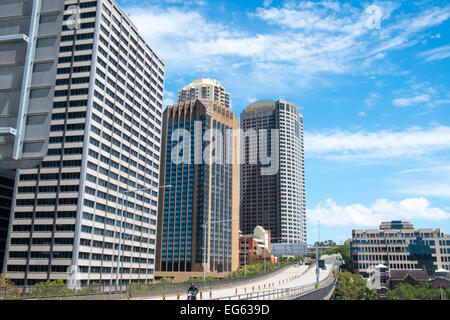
208,89
255,248
73,211
398,246
201,209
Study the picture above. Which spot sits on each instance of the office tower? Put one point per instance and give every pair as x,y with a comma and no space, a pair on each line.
399,246
207,89
29,42
202,191
74,209
274,201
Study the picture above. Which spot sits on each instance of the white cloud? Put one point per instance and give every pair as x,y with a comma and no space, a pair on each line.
267,3
370,101
357,215
421,94
169,98
382,145
406,102
306,39
438,170
430,181
436,54
435,189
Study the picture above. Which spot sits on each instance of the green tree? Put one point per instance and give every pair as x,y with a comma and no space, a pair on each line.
326,243
93,289
51,289
297,259
352,286
253,270
7,290
200,279
406,291
165,280
344,251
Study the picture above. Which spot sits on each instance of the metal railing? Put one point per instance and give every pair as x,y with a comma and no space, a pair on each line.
40,291
289,292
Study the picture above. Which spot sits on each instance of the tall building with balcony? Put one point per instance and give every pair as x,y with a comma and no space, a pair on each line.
398,246
207,89
73,209
274,201
201,209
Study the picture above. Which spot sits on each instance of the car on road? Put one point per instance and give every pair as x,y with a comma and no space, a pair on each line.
296,265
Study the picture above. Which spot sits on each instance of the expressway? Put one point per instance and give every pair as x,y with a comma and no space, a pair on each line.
287,278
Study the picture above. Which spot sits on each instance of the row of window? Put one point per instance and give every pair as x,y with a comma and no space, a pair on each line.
46,202
46,215
49,176
40,254
44,227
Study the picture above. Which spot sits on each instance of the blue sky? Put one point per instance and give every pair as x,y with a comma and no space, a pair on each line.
376,101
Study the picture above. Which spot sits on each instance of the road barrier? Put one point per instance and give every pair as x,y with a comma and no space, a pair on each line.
306,292
110,291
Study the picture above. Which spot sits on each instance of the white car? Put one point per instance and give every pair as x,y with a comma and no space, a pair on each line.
296,265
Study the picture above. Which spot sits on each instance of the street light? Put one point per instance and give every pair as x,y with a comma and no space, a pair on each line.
204,243
274,238
245,253
121,226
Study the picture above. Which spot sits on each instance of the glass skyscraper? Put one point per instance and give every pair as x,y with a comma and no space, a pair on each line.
201,191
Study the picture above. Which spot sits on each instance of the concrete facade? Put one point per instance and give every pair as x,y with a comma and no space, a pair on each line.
399,246
104,141
207,89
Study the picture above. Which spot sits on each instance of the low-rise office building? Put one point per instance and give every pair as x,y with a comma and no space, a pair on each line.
255,248
399,246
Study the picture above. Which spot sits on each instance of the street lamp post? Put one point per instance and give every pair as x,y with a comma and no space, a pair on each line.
275,238
245,253
121,227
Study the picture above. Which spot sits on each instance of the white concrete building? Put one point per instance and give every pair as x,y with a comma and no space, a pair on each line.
208,89
73,210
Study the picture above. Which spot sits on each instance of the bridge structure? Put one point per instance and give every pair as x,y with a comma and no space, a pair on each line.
290,283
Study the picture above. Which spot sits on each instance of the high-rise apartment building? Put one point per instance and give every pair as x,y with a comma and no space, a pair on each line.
274,201
6,196
207,89
30,34
202,192
74,209
398,246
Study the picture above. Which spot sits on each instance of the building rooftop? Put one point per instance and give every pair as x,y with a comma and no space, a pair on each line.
418,275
